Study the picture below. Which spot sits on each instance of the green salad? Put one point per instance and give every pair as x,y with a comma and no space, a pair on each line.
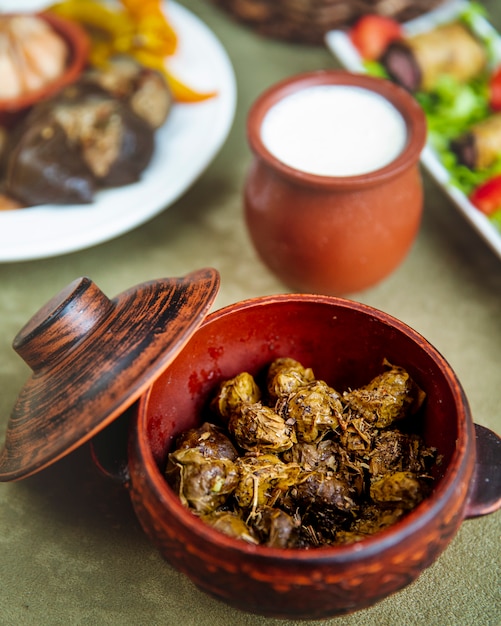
452,108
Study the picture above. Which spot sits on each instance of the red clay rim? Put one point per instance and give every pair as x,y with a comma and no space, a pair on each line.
403,102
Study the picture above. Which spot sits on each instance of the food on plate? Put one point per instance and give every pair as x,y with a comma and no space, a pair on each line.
284,460
418,62
454,72
96,133
136,28
372,34
144,90
494,90
4,142
32,55
9,204
123,26
99,131
487,196
480,146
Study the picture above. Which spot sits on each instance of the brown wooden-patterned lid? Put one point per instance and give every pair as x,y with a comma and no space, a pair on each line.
92,357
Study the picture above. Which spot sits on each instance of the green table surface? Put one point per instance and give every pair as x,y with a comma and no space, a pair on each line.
71,549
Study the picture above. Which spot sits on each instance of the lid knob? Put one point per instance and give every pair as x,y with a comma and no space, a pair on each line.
61,323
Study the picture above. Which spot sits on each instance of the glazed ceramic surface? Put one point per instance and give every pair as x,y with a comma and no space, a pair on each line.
345,343
327,234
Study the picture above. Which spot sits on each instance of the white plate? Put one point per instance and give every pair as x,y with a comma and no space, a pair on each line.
185,145
340,44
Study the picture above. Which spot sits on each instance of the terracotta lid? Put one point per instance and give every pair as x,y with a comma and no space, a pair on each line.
92,357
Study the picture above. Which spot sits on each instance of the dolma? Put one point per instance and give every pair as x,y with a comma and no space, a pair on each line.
480,146
417,63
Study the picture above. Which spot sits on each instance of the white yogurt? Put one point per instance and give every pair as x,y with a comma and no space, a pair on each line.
334,130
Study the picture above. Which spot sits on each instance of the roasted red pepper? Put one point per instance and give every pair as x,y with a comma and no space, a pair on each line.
135,27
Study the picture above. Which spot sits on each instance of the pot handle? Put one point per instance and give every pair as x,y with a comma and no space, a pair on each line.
485,489
109,448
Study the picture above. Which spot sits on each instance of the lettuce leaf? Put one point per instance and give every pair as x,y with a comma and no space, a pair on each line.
451,109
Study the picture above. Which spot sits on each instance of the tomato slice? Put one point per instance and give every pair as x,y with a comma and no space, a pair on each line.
487,197
495,90
372,34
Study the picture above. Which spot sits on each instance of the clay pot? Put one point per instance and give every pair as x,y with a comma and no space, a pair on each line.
78,43
334,234
345,343
148,361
